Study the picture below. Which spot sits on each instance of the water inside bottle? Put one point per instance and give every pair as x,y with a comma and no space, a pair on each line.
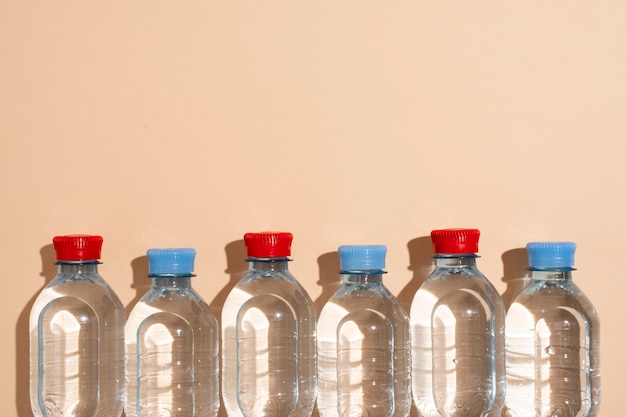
68,331
548,362
269,336
172,369
267,357
165,355
365,362
77,361
463,362
454,362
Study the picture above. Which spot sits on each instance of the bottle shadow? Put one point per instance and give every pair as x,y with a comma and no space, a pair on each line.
329,278
141,283
236,267
421,262
515,274
22,337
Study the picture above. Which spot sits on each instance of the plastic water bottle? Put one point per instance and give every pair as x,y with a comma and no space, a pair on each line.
77,337
364,342
172,341
268,336
457,328
552,338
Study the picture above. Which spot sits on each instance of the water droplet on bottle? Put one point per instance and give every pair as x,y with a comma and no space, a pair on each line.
550,350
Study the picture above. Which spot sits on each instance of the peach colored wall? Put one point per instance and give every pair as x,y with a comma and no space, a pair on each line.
188,123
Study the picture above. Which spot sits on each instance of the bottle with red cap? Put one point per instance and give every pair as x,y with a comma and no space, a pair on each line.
77,337
457,334
268,336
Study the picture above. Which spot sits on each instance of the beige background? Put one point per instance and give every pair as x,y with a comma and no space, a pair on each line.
188,123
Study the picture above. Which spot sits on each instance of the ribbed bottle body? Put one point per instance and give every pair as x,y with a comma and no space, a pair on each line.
172,359
269,345
77,346
364,352
553,352
457,331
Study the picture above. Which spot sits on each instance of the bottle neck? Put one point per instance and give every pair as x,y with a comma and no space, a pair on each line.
268,264
551,274
466,260
173,281
363,277
78,267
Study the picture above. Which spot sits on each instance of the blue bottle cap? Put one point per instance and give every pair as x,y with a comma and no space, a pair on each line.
362,257
171,261
550,254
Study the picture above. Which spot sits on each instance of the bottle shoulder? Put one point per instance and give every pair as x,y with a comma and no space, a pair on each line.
78,279
543,295
364,291
351,298
196,313
566,287
463,288
280,283
171,294
175,299
277,274
442,282
64,294
282,286
90,288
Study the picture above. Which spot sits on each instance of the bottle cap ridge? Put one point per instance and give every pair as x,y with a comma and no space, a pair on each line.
268,244
77,247
171,261
362,257
551,254
455,241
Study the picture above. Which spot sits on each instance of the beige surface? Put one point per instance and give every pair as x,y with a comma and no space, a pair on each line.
162,123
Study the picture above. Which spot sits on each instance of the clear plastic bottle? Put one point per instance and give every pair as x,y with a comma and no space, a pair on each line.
552,338
268,336
364,342
457,331
172,341
77,337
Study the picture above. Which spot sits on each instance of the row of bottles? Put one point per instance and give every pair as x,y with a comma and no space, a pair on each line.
363,356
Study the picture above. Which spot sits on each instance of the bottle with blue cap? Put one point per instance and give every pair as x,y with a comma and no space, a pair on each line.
552,340
363,342
172,344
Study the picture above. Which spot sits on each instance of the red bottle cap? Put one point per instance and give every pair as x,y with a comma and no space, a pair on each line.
268,244
455,240
77,247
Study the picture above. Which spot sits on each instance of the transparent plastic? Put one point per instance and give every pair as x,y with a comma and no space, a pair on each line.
77,345
457,329
172,358
269,344
553,363
364,351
